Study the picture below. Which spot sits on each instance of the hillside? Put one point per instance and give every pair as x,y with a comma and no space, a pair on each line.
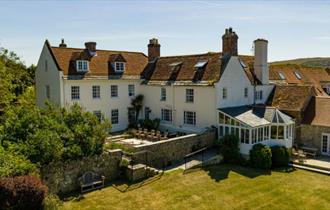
310,62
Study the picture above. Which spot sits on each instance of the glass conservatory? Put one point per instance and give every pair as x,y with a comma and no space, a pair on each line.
266,125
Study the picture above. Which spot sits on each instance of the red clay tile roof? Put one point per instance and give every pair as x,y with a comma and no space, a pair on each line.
318,112
162,69
99,65
291,97
309,76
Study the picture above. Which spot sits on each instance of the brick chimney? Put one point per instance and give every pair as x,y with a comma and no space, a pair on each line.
153,49
62,44
229,42
91,47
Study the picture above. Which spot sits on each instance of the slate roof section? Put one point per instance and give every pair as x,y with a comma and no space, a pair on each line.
257,116
317,77
291,97
318,112
162,68
100,65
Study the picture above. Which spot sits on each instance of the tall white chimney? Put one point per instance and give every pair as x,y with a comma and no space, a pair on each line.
260,60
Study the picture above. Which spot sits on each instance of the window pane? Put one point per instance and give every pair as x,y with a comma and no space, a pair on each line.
221,131
247,136
273,132
280,132
221,118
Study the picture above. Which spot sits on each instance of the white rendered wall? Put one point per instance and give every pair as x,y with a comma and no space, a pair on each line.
234,79
203,105
50,77
105,103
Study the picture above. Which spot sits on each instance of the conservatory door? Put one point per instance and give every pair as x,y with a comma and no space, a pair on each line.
325,144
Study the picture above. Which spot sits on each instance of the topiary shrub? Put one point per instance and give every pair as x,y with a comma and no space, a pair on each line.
230,149
280,156
261,156
22,193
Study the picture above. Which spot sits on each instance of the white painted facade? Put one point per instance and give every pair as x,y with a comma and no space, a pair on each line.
47,74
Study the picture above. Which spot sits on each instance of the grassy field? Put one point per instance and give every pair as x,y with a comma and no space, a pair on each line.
217,187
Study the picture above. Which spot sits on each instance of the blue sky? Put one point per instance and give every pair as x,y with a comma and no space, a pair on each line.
294,28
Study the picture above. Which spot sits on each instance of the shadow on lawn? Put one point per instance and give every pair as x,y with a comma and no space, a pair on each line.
125,186
221,172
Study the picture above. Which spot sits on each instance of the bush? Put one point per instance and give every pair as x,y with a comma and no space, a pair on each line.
51,202
15,165
261,156
22,192
229,147
280,156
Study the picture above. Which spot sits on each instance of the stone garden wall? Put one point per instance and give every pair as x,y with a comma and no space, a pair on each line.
311,135
62,177
169,151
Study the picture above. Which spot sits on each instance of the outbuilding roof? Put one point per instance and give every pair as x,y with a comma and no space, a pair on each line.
318,112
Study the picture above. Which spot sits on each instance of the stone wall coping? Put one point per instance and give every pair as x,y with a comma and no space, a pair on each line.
167,140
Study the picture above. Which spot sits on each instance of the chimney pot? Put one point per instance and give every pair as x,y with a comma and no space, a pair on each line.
62,43
91,47
229,42
153,49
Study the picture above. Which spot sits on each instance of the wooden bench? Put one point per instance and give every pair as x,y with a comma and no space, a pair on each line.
90,181
310,151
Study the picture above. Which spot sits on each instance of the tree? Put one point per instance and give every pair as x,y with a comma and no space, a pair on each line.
45,135
137,104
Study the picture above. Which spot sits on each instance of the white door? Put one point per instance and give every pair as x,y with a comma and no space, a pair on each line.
325,144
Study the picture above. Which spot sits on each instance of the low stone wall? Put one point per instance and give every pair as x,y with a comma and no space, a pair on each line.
169,151
311,135
62,177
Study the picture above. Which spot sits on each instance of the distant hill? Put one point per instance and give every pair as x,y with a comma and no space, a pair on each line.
310,62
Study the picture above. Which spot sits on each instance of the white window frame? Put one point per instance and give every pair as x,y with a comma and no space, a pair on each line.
75,92
82,66
96,91
163,94
224,93
246,92
98,114
186,119
47,87
114,116
258,95
131,90
119,66
190,95
298,75
327,135
166,115
114,91
46,65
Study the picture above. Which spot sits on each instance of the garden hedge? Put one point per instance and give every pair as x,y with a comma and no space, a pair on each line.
261,156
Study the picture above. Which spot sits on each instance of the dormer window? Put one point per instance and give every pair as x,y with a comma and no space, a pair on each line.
119,66
175,66
82,66
200,64
297,75
282,76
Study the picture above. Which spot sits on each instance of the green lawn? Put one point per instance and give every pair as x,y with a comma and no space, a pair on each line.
217,187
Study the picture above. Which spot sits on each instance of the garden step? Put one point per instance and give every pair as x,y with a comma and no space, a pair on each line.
309,168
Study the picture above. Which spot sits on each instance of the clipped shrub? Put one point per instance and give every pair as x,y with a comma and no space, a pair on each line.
261,156
280,156
22,193
229,147
51,202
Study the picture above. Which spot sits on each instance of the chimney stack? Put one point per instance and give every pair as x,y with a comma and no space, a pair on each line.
260,60
62,44
91,47
153,49
229,43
